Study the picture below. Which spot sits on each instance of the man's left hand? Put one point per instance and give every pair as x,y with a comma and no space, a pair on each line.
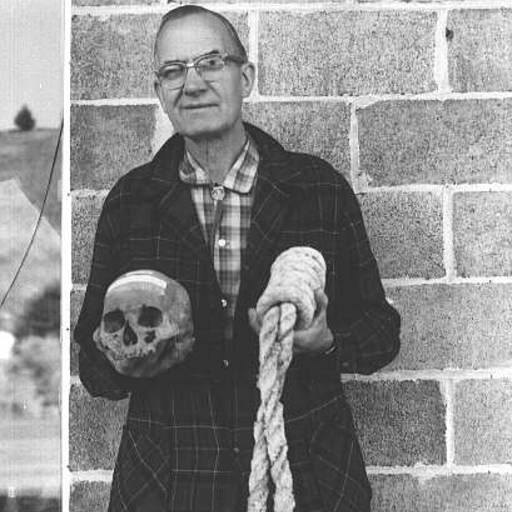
315,339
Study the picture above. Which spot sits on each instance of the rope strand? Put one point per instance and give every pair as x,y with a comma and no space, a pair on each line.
287,302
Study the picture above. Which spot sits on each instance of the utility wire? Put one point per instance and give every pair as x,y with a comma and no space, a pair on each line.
39,218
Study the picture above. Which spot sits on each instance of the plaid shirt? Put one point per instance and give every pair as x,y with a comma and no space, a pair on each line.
188,439
230,237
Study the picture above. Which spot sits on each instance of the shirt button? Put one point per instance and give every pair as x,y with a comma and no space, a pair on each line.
236,450
225,362
224,303
222,242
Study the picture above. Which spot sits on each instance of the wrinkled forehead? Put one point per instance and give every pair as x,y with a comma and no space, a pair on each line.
191,36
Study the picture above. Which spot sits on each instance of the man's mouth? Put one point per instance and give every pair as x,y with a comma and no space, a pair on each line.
199,106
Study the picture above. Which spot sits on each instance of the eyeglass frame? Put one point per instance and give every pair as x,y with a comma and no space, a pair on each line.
191,63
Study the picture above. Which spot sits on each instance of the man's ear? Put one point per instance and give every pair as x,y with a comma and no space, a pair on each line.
248,72
158,92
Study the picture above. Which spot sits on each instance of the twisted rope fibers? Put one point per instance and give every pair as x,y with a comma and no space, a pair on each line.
287,302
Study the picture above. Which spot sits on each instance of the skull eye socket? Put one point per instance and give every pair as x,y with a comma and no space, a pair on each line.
113,321
150,317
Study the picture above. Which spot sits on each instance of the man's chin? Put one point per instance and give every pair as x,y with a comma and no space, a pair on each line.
203,132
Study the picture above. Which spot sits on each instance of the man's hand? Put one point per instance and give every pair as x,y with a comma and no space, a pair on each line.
159,361
316,339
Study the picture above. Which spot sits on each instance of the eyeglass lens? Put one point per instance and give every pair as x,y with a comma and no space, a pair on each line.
208,67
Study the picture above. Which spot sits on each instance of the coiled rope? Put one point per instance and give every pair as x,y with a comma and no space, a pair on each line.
287,302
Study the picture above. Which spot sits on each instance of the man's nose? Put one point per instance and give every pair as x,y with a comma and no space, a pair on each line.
193,81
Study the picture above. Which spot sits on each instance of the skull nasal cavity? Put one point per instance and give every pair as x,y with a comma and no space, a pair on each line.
129,336
150,316
113,321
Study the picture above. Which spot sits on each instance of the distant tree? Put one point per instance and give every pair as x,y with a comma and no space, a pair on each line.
24,120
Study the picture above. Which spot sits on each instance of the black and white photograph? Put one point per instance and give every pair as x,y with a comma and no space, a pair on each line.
292,256
31,110
280,237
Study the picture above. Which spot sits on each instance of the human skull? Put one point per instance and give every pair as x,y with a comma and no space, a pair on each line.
143,309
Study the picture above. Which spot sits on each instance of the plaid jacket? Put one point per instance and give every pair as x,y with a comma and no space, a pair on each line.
187,442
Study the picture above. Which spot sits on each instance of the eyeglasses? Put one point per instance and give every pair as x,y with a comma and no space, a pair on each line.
172,75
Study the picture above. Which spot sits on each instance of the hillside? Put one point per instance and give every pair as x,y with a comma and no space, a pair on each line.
25,161
27,157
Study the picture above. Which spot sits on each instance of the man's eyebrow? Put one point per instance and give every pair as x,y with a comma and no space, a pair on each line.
211,52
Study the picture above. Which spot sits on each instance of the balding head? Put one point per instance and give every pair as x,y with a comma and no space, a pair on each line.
234,45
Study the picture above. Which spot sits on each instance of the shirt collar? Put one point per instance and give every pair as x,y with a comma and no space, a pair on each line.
240,177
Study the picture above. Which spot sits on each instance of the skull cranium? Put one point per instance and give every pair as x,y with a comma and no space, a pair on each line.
143,309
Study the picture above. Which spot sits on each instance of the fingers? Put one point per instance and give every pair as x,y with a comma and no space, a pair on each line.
321,302
316,336
254,320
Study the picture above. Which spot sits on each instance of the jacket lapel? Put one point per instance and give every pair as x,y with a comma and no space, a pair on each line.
175,206
178,211
269,208
271,203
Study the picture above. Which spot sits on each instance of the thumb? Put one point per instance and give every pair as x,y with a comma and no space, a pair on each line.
254,320
321,301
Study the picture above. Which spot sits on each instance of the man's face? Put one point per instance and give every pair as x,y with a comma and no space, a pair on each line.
202,109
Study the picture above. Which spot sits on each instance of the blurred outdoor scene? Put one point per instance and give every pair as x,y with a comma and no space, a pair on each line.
30,111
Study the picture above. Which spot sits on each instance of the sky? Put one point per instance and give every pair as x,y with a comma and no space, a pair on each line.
31,46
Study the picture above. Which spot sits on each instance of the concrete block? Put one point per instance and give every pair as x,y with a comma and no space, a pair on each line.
480,51
112,56
108,141
259,2
114,2
454,493
482,421
394,493
466,493
310,127
84,218
455,141
453,326
399,423
482,230
325,53
405,232
77,297
89,496
73,358
95,426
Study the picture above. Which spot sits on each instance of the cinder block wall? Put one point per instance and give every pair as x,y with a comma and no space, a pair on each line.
413,103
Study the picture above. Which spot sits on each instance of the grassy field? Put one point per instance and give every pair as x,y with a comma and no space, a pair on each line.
30,455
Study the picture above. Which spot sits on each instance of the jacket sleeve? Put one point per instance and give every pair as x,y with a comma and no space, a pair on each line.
96,373
366,332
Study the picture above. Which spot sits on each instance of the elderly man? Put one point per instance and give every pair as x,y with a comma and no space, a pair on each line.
212,210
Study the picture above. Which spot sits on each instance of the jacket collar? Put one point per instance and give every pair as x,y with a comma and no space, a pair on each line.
167,160
177,210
